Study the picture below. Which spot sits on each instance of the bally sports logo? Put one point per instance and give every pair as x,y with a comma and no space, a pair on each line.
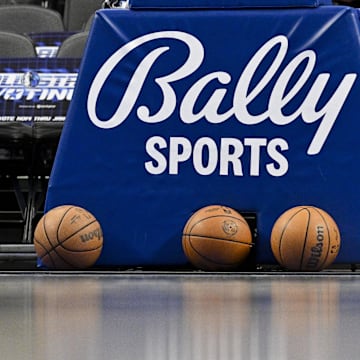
278,73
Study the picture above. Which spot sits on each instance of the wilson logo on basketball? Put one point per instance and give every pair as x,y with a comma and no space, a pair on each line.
317,250
95,234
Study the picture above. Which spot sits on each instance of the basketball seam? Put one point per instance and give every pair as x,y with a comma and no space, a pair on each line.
220,238
60,257
60,222
211,260
47,252
224,215
306,238
185,240
80,251
53,249
50,243
283,231
60,243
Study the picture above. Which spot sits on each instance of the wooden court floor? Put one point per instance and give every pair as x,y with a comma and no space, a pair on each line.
173,315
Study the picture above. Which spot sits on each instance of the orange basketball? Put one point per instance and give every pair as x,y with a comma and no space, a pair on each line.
305,238
216,238
68,237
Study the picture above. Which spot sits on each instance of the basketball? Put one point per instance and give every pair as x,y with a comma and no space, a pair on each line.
68,237
216,238
305,238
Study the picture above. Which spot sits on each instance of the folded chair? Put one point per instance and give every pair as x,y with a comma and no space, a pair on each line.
73,46
29,18
14,45
77,13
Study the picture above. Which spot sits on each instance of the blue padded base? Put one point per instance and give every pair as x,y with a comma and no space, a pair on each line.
175,110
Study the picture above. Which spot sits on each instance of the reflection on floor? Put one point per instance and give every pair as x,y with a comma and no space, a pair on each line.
165,315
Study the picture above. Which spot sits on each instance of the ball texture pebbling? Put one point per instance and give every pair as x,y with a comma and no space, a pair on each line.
68,237
305,238
216,238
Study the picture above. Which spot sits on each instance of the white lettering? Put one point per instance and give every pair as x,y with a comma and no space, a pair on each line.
208,157
46,80
180,151
247,90
196,55
255,146
153,145
210,110
205,148
273,148
231,150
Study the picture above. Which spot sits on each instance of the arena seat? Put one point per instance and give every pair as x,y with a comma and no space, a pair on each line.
21,2
229,102
89,22
73,46
29,18
77,13
14,45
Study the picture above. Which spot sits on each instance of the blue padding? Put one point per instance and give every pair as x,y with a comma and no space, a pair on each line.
174,110
218,4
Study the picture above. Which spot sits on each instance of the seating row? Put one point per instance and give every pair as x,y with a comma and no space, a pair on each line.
30,16
27,148
13,45
33,107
